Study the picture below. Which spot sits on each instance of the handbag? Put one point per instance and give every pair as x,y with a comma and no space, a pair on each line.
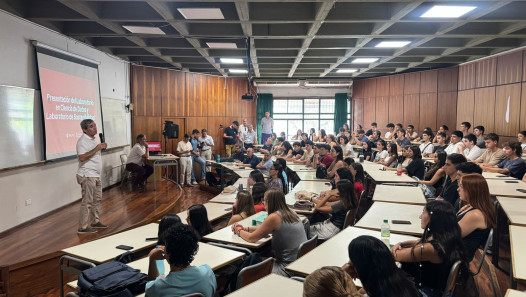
321,172
303,205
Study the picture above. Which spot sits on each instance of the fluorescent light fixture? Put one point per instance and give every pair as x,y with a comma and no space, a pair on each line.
276,84
393,43
237,70
346,70
201,13
328,84
447,11
144,30
231,61
221,45
364,60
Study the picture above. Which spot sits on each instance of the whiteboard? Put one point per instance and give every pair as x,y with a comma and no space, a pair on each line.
114,121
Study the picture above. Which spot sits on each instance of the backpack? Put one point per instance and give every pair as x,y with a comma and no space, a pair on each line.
321,172
111,279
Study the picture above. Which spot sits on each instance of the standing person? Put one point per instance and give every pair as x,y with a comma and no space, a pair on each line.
249,138
184,149
196,156
207,143
242,130
493,154
267,124
137,162
230,137
88,177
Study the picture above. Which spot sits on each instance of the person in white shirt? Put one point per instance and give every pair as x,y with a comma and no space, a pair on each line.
382,151
426,146
242,129
184,148
390,130
88,177
521,138
137,162
249,138
469,147
454,142
347,148
207,143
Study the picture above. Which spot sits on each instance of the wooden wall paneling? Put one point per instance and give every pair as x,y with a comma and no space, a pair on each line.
448,79
151,126
486,73
524,65
357,112
152,92
412,83
465,107
216,97
513,92
370,88
429,81
484,112
428,112
137,89
466,76
233,98
382,86
396,109
359,88
412,110
522,122
509,68
396,84
173,93
369,111
196,123
447,109
196,94
382,112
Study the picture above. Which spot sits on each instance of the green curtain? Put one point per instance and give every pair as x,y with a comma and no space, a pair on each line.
340,110
264,103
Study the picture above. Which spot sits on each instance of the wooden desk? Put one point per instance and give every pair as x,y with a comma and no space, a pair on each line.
502,188
271,285
334,252
518,256
309,176
393,211
515,293
494,175
380,176
103,249
226,235
515,209
299,167
399,194
164,161
214,211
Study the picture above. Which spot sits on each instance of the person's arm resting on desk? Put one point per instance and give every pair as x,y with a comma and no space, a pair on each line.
253,234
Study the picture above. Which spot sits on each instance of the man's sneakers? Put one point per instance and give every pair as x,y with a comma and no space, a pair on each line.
86,231
194,183
98,225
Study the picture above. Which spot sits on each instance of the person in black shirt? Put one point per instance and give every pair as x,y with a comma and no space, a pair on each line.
297,151
230,137
238,153
250,161
416,167
449,191
374,126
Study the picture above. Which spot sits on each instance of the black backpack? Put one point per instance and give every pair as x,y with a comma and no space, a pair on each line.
111,279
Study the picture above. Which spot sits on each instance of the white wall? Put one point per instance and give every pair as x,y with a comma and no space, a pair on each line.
50,186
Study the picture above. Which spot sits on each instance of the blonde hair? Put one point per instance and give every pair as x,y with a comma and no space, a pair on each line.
329,281
276,202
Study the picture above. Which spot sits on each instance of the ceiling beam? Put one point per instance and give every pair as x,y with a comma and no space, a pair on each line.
244,16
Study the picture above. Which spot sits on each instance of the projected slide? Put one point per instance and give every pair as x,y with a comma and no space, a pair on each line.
70,94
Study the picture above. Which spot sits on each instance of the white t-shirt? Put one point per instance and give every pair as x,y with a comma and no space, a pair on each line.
208,139
92,166
381,155
452,148
136,154
348,147
249,137
523,146
184,146
473,154
387,134
426,147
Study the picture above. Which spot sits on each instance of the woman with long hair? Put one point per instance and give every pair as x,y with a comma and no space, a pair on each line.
367,150
434,178
198,218
276,180
254,177
359,178
390,160
337,163
346,147
476,216
322,135
258,192
436,251
416,166
242,208
382,151
346,127
286,150
285,226
298,135
166,222
312,135
371,261
329,281
338,210
341,174
331,140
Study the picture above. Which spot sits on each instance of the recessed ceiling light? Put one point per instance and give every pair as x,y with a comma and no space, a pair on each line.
364,60
393,43
201,13
144,30
447,11
221,45
237,71
346,70
231,61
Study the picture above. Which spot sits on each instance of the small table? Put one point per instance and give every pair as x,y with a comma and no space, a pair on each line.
506,188
518,256
271,285
399,194
165,161
380,211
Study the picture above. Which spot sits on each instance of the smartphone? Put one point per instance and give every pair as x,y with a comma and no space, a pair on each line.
327,184
152,239
401,222
124,247
512,181
521,190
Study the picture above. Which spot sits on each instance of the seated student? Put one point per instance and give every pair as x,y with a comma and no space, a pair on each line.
377,135
198,218
297,152
443,129
405,159
285,226
346,146
401,140
258,191
298,135
307,153
267,146
359,137
455,141
180,249
367,150
390,129
238,153
382,151
439,247
242,208
277,148
434,178
493,154
274,137
513,165
469,147
371,261
449,190
276,180
333,225
315,155
359,178
312,135
304,137
416,167
479,133
286,150
464,127
429,131
251,161
331,140
266,162
337,163
476,216
410,133
137,162
521,138
391,159
329,281
467,168
426,147
441,147
374,127
322,135
345,126
283,164
323,157
283,135
166,222
255,176
342,173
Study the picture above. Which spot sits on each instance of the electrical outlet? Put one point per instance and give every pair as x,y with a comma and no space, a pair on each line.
28,202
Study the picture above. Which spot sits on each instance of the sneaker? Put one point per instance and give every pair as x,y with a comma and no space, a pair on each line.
194,183
86,231
99,225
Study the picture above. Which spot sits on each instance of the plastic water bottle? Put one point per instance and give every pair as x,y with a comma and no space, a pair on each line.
160,266
386,234
399,169
218,159
361,157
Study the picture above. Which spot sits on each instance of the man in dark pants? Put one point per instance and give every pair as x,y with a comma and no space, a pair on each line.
137,162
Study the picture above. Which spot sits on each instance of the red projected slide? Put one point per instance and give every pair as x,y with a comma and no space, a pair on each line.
66,101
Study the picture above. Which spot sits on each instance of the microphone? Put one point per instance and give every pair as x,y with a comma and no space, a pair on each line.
101,136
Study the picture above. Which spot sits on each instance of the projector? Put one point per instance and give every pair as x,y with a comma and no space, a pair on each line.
247,97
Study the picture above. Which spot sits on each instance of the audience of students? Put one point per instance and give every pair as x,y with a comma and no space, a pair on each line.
243,207
513,165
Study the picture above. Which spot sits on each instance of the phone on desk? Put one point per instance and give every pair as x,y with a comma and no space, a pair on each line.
124,247
512,181
402,222
522,190
152,239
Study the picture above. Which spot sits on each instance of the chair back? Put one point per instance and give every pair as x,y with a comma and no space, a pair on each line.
298,278
254,272
124,159
349,217
452,279
484,252
307,246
